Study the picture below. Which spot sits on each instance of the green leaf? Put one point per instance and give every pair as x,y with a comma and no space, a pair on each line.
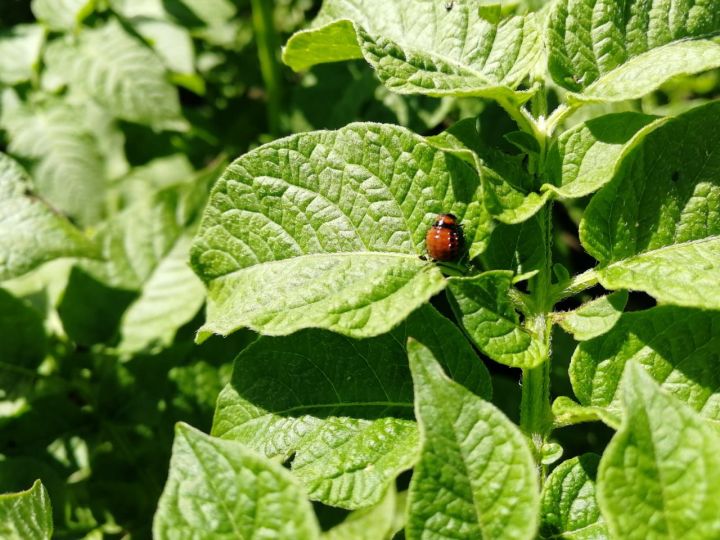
327,230
586,157
69,168
507,187
170,297
220,489
568,508
677,346
343,410
42,288
524,141
118,72
146,250
567,412
625,51
152,9
88,323
482,303
136,240
198,385
550,452
663,465
26,514
144,181
213,13
374,523
594,318
19,52
415,47
516,247
24,344
476,477
656,227
22,349
211,20
31,233
62,14
172,43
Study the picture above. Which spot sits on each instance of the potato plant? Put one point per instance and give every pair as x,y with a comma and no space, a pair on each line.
556,377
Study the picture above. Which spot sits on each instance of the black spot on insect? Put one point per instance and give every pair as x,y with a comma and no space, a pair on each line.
675,177
449,5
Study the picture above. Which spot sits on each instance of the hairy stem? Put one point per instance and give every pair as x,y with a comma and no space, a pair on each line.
535,412
268,47
578,284
535,408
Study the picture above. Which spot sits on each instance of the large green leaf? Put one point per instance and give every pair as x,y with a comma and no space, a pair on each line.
26,514
658,476
327,230
623,50
420,47
569,509
585,157
483,305
656,226
343,410
31,233
221,489
119,72
678,347
476,477
69,170
62,14
20,52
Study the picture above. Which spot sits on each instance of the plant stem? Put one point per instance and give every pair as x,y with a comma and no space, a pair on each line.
535,408
557,116
578,284
268,46
535,413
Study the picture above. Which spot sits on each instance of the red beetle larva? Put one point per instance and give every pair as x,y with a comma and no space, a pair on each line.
445,239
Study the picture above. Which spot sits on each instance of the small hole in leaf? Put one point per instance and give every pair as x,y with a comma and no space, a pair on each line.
675,176
288,463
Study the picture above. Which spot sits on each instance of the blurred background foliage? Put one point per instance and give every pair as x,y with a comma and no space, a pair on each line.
124,112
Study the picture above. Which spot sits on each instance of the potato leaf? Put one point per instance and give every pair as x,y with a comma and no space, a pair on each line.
625,50
656,226
476,476
416,48
664,464
327,230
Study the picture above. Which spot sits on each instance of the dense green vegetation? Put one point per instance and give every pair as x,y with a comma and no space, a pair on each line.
218,318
